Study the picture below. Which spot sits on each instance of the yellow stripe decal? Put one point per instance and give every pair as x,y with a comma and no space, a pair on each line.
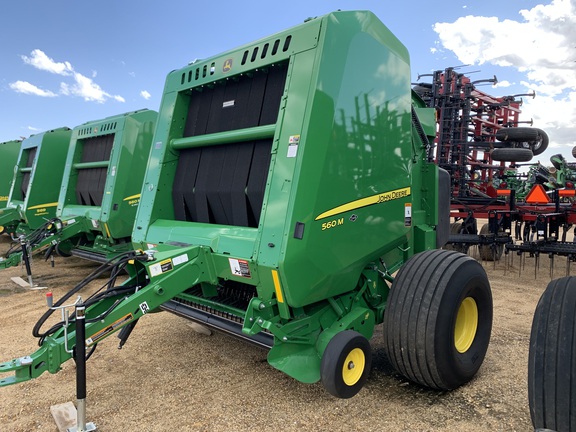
53,204
276,280
364,202
131,197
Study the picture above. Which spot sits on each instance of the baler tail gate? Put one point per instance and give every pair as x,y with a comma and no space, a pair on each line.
117,308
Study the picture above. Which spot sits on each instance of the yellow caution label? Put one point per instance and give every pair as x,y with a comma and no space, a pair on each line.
108,330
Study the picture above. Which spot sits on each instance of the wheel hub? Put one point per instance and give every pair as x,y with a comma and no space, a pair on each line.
353,366
466,325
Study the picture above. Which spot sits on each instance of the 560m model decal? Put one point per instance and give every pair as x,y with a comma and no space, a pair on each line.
364,202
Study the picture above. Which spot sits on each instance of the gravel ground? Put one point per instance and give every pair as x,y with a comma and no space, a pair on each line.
169,377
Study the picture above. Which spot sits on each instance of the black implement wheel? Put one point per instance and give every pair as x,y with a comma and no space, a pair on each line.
345,364
438,320
541,143
489,252
512,154
517,134
456,228
552,358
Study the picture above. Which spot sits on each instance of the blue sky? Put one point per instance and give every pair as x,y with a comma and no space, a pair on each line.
67,62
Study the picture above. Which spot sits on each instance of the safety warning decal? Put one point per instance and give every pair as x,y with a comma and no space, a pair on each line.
408,214
161,267
293,142
239,267
109,329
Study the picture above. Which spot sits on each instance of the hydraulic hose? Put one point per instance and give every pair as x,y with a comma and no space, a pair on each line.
117,264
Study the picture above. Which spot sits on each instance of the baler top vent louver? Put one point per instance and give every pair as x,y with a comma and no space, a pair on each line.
107,127
265,48
203,71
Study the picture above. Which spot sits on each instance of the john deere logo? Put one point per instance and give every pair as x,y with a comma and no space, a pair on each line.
227,65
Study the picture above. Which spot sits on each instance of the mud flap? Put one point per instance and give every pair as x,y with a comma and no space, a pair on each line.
299,361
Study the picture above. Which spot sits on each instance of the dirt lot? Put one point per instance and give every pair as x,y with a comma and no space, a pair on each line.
169,377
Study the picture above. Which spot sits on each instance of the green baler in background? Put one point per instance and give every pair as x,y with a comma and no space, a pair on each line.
290,199
36,181
100,189
9,152
102,182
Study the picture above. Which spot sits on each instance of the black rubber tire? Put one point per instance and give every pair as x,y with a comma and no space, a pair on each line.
541,143
421,314
517,134
574,151
333,359
552,358
512,154
455,228
487,252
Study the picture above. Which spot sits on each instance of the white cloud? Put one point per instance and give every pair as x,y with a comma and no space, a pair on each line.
502,84
27,88
82,86
41,61
541,45
87,89
145,94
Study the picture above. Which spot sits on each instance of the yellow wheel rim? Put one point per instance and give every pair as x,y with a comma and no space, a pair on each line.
353,366
466,325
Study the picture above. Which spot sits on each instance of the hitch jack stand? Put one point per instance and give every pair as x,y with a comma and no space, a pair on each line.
26,258
80,359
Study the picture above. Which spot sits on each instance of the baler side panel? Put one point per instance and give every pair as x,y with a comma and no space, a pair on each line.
353,184
41,185
126,174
